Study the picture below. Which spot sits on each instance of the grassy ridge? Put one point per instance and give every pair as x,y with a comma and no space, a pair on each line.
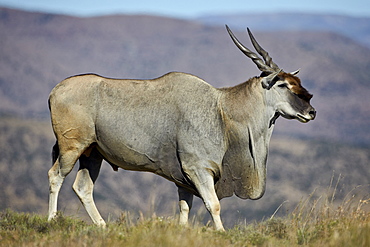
312,223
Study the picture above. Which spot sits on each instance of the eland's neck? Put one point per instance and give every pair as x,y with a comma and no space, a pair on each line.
246,117
246,106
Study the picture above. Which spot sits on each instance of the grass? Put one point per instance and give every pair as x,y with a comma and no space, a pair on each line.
314,222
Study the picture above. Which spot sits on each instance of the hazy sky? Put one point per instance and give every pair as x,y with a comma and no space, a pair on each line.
190,8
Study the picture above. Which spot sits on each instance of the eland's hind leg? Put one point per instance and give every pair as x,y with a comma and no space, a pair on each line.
90,163
68,155
72,116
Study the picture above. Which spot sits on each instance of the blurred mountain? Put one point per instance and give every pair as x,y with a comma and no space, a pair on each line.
357,28
38,50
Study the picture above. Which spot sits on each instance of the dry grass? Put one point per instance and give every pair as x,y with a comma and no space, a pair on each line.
314,222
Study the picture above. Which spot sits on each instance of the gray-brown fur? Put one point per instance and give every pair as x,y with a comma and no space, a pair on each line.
211,142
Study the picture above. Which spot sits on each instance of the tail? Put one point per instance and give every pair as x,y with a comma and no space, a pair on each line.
55,152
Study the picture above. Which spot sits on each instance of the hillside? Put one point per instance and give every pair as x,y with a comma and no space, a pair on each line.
296,168
356,28
38,50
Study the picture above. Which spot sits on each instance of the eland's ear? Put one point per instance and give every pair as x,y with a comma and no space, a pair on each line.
270,80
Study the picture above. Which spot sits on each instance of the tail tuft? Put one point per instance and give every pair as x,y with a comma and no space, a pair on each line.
55,152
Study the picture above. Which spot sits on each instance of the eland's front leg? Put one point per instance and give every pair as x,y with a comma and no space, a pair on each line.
204,182
211,202
185,204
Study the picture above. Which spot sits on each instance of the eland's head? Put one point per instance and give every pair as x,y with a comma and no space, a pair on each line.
284,91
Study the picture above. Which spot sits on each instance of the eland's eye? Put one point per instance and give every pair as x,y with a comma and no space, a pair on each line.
283,85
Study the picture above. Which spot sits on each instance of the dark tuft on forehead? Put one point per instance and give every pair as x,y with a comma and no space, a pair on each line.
295,86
